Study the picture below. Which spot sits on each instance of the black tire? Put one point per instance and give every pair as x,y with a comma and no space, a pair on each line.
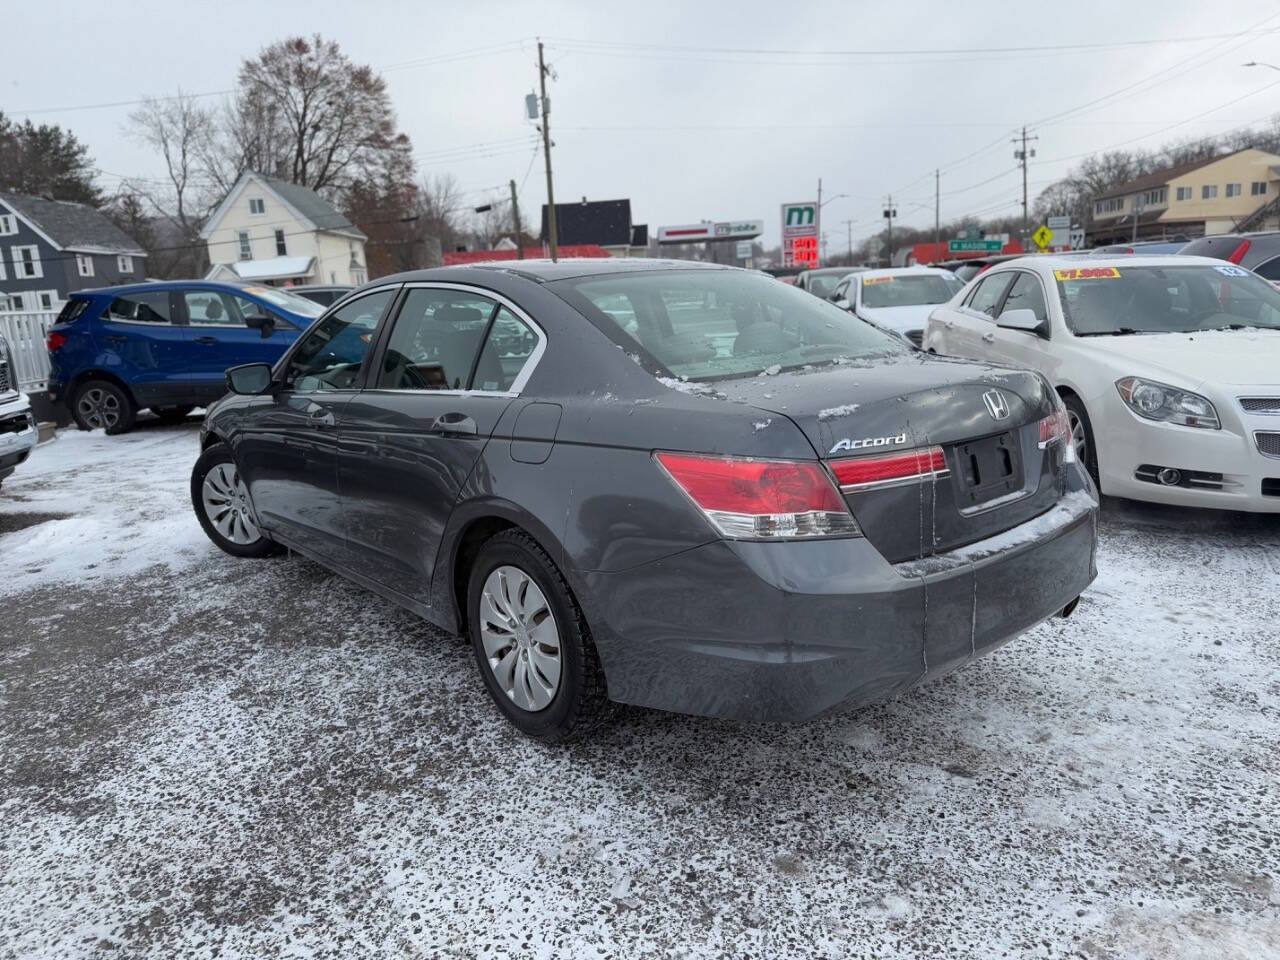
1076,413
219,454
101,404
581,701
172,415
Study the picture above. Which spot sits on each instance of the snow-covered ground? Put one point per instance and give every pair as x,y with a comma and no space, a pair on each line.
202,756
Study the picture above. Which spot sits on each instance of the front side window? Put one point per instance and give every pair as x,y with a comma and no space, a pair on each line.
908,291
84,264
987,294
149,307
211,308
246,251
1105,301
717,324
1027,294
331,355
823,283
435,340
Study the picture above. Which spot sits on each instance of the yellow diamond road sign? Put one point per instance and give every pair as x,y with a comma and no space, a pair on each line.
1042,236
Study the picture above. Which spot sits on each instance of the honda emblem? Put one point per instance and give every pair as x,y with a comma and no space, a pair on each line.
997,405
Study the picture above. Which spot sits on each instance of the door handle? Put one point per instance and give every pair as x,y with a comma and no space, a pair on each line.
456,423
321,418
208,341
989,337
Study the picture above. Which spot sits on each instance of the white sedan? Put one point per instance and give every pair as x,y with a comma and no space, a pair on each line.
898,300
1169,367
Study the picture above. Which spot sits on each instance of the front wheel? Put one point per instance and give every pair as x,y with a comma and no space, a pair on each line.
103,405
531,642
1082,437
222,505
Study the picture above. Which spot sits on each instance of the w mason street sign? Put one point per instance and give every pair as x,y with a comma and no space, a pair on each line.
966,246
800,234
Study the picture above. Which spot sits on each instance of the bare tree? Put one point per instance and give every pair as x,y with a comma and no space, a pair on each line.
440,210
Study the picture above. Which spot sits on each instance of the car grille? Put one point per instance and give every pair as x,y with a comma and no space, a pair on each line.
4,376
916,337
1268,443
1271,487
18,424
1260,404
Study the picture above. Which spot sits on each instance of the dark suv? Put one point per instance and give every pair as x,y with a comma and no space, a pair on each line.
1259,252
164,346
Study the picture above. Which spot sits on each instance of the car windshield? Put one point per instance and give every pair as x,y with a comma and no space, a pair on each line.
823,283
908,291
1100,301
287,301
717,324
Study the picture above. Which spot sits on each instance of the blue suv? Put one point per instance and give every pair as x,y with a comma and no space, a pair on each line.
164,346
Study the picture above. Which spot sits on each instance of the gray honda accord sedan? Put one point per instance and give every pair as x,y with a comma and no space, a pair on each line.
677,485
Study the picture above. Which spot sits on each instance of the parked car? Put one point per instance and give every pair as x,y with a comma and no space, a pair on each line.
1259,252
323,294
163,346
659,483
969,267
822,282
17,427
898,300
1169,367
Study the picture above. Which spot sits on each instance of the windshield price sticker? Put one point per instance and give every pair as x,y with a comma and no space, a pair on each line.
870,280
1232,271
1088,273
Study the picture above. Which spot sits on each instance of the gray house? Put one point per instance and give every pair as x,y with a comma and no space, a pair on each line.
50,248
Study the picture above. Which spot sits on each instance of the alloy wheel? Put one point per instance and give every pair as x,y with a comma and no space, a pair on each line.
226,504
1079,439
520,637
98,408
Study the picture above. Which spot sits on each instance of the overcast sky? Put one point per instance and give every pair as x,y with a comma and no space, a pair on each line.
698,111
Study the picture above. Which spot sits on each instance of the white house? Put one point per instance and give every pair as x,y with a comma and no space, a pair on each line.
271,231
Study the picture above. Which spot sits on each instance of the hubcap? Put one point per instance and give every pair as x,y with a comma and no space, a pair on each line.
226,504
520,638
1078,438
99,409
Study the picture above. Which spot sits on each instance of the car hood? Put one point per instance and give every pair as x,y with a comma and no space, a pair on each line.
1236,357
899,319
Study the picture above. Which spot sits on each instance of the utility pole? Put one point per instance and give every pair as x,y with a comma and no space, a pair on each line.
937,208
848,225
1021,156
817,215
515,216
889,214
546,150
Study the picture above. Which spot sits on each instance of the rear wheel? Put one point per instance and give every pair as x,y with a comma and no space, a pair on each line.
103,405
222,505
531,642
1082,436
172,414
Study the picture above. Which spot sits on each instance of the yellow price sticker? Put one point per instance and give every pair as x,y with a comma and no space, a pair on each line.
1088,273
867,281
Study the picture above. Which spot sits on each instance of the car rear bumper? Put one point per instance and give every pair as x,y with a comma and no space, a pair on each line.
788,631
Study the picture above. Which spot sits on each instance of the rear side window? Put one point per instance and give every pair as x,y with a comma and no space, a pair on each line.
72,309
1027,294
987,294
435,340
149,307
508,347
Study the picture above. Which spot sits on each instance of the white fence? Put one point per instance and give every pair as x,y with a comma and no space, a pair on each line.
25,332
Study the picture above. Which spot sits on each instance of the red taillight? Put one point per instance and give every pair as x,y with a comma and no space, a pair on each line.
761,499
1057,426
1238,253
55,340
888,468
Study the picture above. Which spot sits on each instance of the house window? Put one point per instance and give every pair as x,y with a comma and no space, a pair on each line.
124,263
84,264
26,262
1209,191
1233,190
8,225
12,304
1154,198
257,205
1109,206
246,251
1184,193
47,297
357,277
1258,188
280,247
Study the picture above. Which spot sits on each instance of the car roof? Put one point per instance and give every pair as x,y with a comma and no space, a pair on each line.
917,270
165,285
1068,262
840,270
543,271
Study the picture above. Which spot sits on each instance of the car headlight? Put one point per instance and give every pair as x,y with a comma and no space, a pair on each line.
1159,401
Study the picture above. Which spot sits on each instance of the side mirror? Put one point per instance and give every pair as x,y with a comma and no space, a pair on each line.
1021,319
842,304
262,323
249,379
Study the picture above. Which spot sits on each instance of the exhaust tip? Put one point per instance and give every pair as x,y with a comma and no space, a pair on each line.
1169,476
1069,609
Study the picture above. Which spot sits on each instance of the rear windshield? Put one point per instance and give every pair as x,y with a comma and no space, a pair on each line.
1101,301
287,301
909,291
716,324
